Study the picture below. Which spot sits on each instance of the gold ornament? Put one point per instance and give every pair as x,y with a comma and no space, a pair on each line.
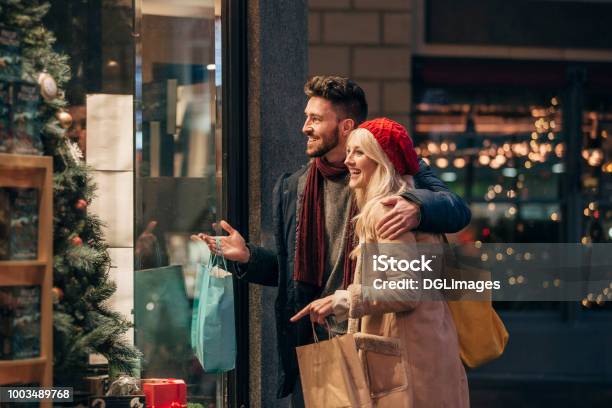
65,119
48,86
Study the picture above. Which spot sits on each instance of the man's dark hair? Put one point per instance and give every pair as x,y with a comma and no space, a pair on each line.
343,93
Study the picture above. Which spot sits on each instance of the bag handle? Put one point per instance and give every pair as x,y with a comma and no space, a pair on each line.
314,331
213,260
218,242
236,269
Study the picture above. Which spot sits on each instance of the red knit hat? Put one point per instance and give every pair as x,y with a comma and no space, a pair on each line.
394,140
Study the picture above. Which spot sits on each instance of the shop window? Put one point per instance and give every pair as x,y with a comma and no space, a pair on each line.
499,139
178,183
499,147
146,83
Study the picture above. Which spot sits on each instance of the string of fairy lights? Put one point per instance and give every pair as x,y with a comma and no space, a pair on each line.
509,157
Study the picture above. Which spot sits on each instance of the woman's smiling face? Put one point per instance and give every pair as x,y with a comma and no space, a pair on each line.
361,167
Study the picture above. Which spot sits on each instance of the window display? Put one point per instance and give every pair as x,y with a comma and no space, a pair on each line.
510,151
45,202
150,133
178,183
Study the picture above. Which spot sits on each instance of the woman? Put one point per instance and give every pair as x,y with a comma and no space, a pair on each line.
408,345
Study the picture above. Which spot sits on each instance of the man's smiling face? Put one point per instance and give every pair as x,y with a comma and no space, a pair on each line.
320,127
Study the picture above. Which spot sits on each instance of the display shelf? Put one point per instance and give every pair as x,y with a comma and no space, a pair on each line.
23,171
22,273
25,371
32,172
4,265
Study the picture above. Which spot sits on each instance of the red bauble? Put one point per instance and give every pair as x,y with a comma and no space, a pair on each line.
77,241
81,204
58,294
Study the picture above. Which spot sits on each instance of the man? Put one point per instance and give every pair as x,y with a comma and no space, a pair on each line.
312,210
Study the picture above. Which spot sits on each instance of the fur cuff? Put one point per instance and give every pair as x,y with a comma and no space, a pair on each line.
340,305
378,344
356,306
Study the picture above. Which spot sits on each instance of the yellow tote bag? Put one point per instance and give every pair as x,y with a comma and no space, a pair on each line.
482,334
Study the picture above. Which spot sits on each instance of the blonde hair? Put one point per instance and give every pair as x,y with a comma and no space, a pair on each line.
384,182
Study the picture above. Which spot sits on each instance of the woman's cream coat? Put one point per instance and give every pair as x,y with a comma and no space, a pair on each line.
408,345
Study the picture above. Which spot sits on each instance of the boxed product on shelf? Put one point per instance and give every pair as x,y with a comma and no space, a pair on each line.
26,323
6,140
23,242
10,53
25,126
19,322
5,223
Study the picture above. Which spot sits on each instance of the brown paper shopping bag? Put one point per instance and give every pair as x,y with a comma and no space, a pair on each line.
332,374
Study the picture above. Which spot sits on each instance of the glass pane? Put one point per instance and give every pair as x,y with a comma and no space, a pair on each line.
178,182
502,150
97,38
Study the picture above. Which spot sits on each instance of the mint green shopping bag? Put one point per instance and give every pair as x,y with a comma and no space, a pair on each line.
213,331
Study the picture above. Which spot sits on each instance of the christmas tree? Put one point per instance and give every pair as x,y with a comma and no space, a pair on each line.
83,321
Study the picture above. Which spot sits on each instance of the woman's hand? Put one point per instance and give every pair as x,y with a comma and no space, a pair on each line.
233,246
318,310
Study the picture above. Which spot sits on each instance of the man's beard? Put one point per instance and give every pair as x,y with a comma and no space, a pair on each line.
326,147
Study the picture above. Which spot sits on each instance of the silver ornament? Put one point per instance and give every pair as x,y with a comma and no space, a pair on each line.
48,86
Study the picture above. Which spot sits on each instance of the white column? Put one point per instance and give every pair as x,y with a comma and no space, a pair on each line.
110,154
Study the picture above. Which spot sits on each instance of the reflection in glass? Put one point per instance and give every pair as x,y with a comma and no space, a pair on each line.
178,153
97,38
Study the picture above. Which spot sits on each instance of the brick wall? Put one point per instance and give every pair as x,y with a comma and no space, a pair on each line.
368,41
